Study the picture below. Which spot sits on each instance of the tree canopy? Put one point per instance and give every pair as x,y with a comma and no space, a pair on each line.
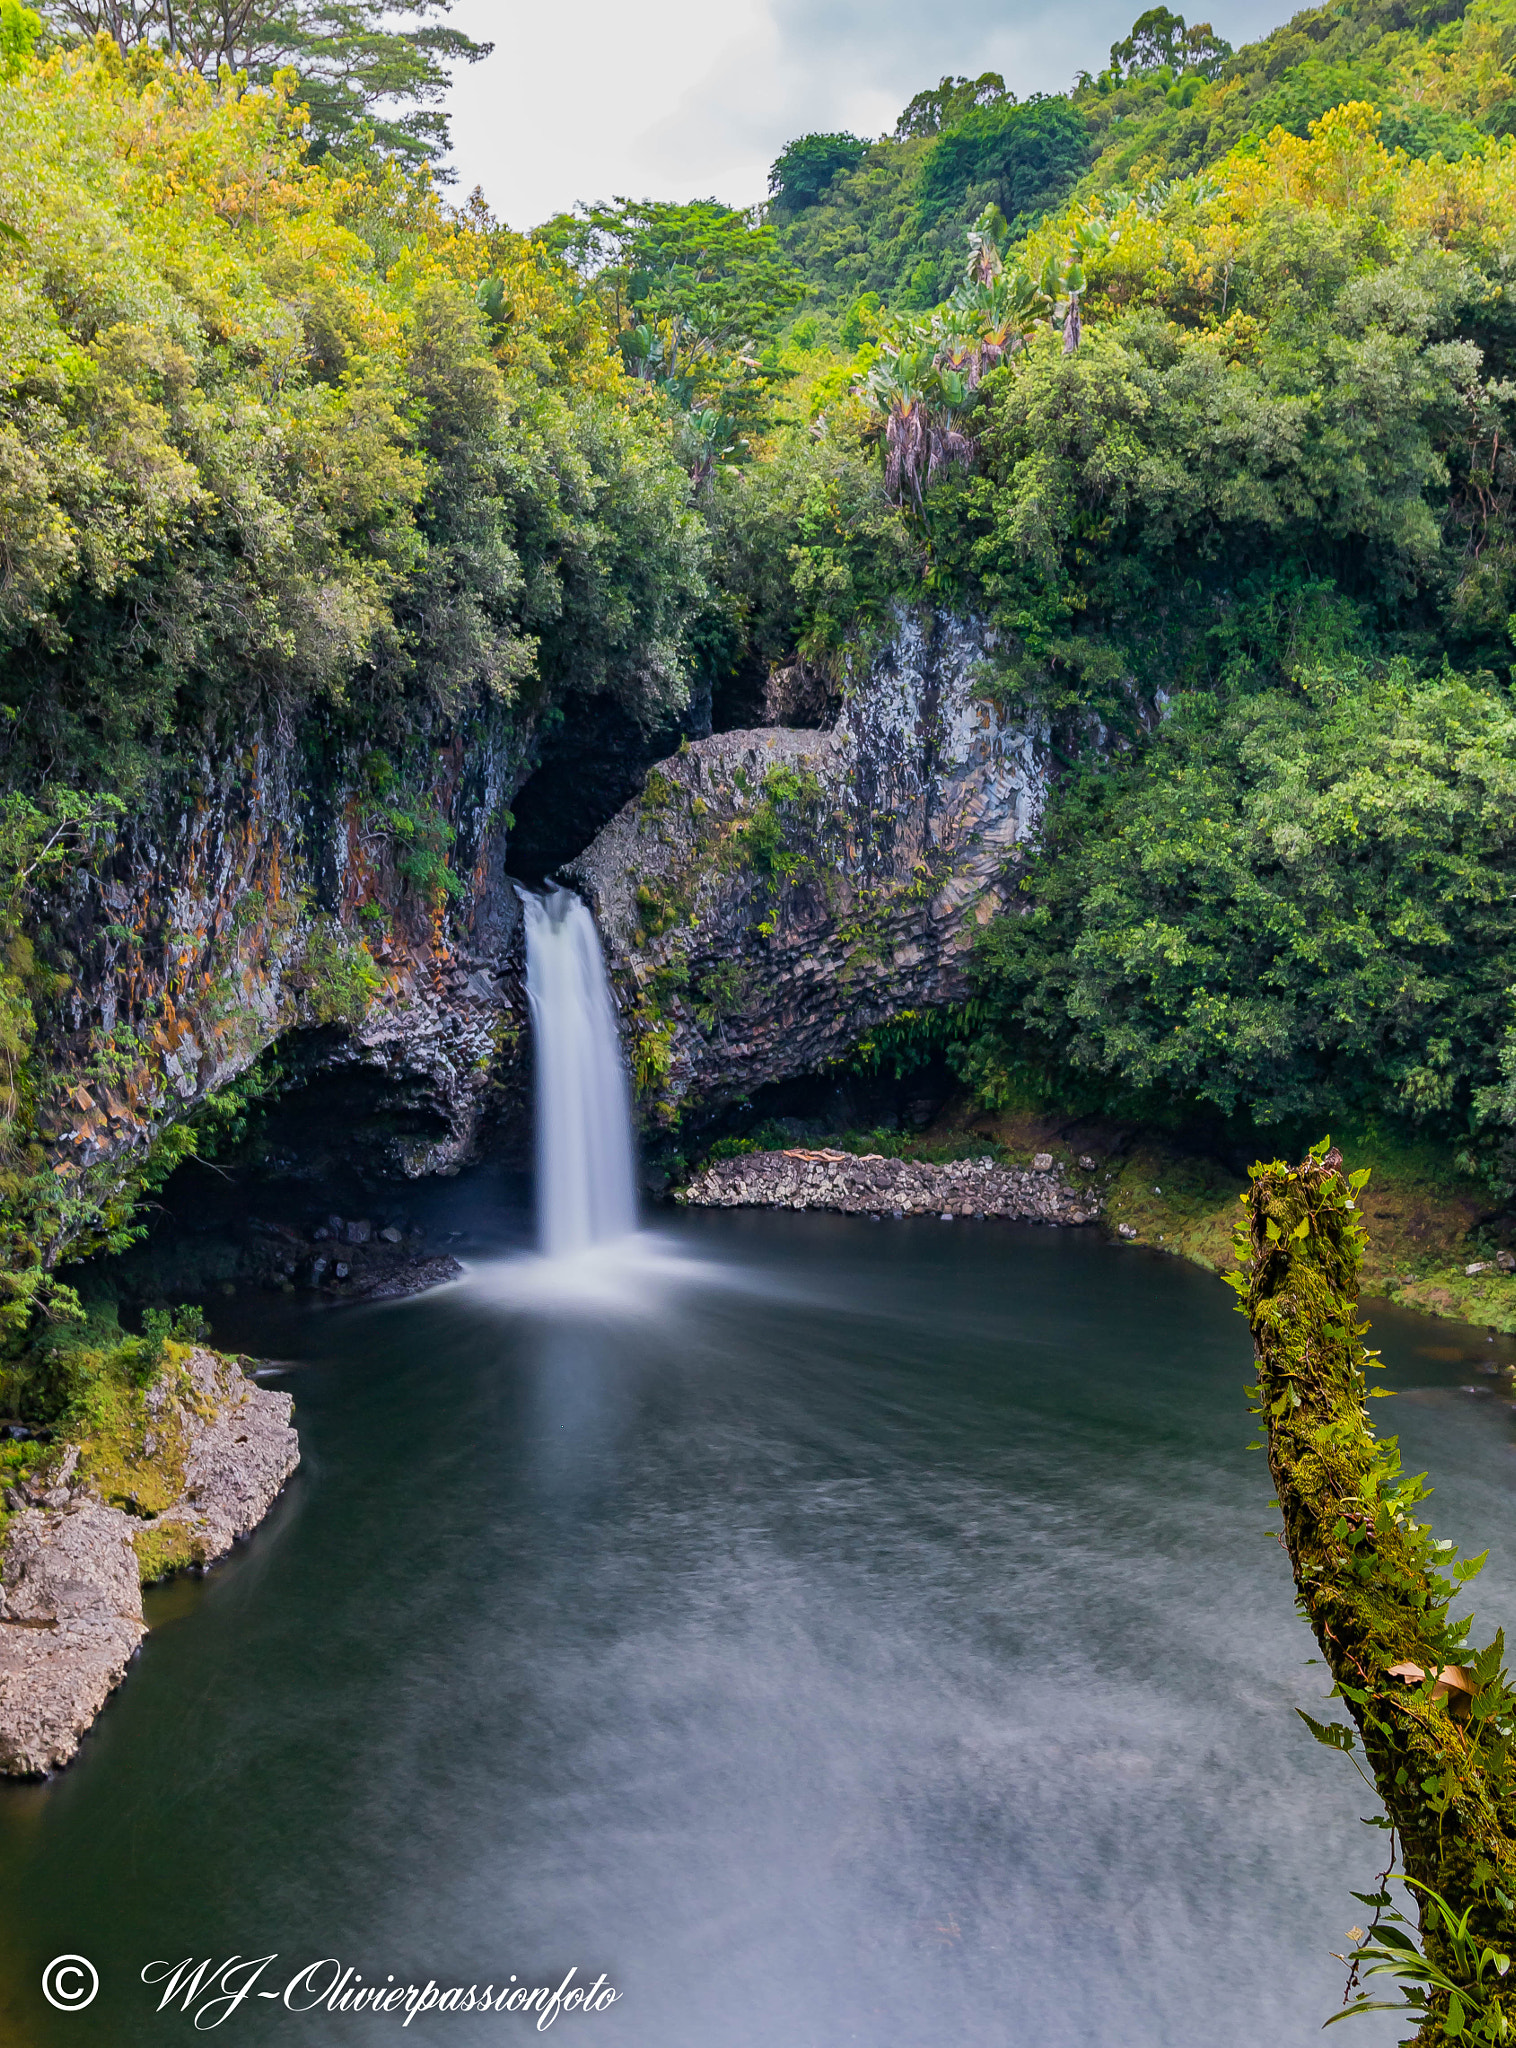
379,68
1162,41
275,436
945,103
691,293
1295,905
1026,158
804,168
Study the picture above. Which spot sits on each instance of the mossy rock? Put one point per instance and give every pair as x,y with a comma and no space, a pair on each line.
164,1548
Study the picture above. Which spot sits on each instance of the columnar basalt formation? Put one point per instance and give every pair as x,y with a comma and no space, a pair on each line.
73,1561
870,1185
776,893
270,895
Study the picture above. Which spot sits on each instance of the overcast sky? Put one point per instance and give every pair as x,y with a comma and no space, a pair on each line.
683,99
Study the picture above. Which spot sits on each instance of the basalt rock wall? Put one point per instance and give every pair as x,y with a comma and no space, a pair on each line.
767,898
272,893
774,894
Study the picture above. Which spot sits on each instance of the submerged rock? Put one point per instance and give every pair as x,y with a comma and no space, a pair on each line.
391,1282
72,1568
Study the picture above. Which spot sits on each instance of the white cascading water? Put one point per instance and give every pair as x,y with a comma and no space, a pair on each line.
586,1182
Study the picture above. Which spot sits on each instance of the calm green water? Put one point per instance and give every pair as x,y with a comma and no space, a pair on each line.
836,1633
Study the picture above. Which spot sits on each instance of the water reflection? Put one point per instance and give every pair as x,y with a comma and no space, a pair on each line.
836,1633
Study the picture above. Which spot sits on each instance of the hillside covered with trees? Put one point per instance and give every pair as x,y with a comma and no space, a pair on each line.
886,217
1192,384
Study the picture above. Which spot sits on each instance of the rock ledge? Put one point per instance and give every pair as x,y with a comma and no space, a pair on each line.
72,1565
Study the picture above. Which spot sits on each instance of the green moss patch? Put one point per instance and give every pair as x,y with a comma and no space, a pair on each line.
165,1548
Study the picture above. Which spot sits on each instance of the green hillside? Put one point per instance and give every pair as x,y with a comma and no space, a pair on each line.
1171,100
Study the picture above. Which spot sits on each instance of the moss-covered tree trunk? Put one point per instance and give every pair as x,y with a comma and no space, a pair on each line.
1373,1583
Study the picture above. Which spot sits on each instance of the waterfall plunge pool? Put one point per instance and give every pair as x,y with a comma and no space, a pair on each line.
841,1633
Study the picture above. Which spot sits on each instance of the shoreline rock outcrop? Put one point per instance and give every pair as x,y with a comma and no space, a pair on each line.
871,1185
73,1562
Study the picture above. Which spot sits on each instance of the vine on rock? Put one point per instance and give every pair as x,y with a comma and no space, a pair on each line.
1436,1717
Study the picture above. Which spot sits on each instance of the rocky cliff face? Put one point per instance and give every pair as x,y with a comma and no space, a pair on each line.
275,893
776,893
769,896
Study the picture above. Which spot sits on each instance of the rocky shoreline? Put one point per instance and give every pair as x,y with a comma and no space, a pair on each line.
81,1543
870,1185
346,1259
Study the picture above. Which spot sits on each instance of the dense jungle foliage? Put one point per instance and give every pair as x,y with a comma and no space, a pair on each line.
278,436
1225,459
885,218
1193,382
286,445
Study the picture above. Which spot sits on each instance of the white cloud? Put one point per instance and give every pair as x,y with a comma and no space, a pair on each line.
676,99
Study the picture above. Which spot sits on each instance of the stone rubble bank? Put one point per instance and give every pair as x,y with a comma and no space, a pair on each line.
870,1185
70,1577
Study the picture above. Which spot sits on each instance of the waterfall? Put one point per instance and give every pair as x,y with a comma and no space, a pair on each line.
586,1186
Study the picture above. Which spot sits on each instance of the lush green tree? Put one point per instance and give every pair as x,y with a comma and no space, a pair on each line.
804,169
1292,905
692,292
948,102
809,556
1026,158
19,29
367,68
1163,41
862,235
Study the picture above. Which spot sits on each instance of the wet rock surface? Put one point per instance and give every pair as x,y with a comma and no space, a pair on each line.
71,1565
354,1258
769,896
870,1185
